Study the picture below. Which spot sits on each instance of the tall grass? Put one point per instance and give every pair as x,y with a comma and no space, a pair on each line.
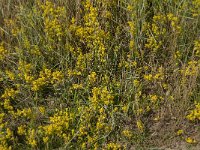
118,74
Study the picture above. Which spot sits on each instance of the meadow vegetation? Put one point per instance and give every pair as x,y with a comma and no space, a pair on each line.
99,74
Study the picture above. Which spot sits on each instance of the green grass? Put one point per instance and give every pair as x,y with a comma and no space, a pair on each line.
99,74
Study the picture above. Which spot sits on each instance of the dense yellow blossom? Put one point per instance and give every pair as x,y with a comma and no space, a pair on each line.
9,93
195,113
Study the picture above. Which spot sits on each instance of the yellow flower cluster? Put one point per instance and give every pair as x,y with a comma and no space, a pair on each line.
101,95
153,98
197,48
47,76
21,130
132,33
52,25
154,41
59,124
77,86
190,140
158,75
128,64
26,112
10,74
195,9
90,33
140,125
9,93
113,146
191,69
3,52
127,133
7,135
92,77
8,97
25,71
31,138
195,113
179,132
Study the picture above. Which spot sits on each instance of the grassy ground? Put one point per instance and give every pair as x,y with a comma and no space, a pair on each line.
101,74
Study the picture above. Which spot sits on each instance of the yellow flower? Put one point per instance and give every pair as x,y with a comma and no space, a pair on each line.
127,133
33,143
125,108
9,133
3,51
140,125
77,86
156,118
136,83
148,77
131,45
113,146
179,132
21,130
42,110
36,84
10,74
57,76
129,7
2,115
7,104
153,98
190,140
45,139
28,78
195,113
9,93
92,77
